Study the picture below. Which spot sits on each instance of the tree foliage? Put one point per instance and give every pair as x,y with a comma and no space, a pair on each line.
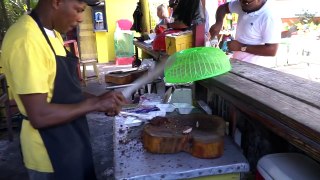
11,10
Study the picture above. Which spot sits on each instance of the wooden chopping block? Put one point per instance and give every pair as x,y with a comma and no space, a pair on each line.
124,77
165,135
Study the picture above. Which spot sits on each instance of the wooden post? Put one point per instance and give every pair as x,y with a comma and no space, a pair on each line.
198,35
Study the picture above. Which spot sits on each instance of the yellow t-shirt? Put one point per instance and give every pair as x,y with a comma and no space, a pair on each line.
30,67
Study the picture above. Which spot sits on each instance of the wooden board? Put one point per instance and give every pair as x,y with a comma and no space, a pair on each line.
123,77
165,135
296,87
284,114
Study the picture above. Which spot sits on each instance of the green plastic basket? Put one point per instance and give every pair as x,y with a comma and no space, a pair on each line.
123,43
196,64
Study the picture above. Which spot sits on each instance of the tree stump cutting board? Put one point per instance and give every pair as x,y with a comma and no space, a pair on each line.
198,134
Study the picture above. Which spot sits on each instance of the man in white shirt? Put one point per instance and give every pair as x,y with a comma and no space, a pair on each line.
258,31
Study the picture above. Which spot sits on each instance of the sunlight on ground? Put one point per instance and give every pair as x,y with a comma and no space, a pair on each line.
300,56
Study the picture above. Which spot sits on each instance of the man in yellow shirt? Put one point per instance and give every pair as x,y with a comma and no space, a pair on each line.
42,75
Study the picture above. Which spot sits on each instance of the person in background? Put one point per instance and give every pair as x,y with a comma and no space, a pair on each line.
172,6
258,31
42,76
206,16
173,3
163,14
137,18
186,14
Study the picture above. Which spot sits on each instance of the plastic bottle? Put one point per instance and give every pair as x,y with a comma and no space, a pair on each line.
207,40
214,42
224,47
136,97
225,44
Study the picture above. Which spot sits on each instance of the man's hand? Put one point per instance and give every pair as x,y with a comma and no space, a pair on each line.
260,50
111,103
43,114
220,13
234,45
215,29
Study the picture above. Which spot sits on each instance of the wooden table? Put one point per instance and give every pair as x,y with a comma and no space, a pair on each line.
132,161
147,48
286,104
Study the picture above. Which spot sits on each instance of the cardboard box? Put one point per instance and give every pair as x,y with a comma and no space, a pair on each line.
175,43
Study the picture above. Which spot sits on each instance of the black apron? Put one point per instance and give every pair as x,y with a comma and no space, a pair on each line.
68,145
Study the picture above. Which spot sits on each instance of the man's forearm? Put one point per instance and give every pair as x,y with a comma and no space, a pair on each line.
221,12
262,50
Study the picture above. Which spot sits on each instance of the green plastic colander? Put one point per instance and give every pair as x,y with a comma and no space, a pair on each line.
196,64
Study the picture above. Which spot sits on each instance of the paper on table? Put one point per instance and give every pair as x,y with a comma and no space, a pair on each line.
131,121
152,36
149,41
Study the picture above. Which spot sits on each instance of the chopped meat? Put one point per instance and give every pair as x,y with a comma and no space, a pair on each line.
158,121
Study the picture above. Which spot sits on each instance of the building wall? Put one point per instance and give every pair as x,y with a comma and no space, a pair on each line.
123,9
115,10
86,37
